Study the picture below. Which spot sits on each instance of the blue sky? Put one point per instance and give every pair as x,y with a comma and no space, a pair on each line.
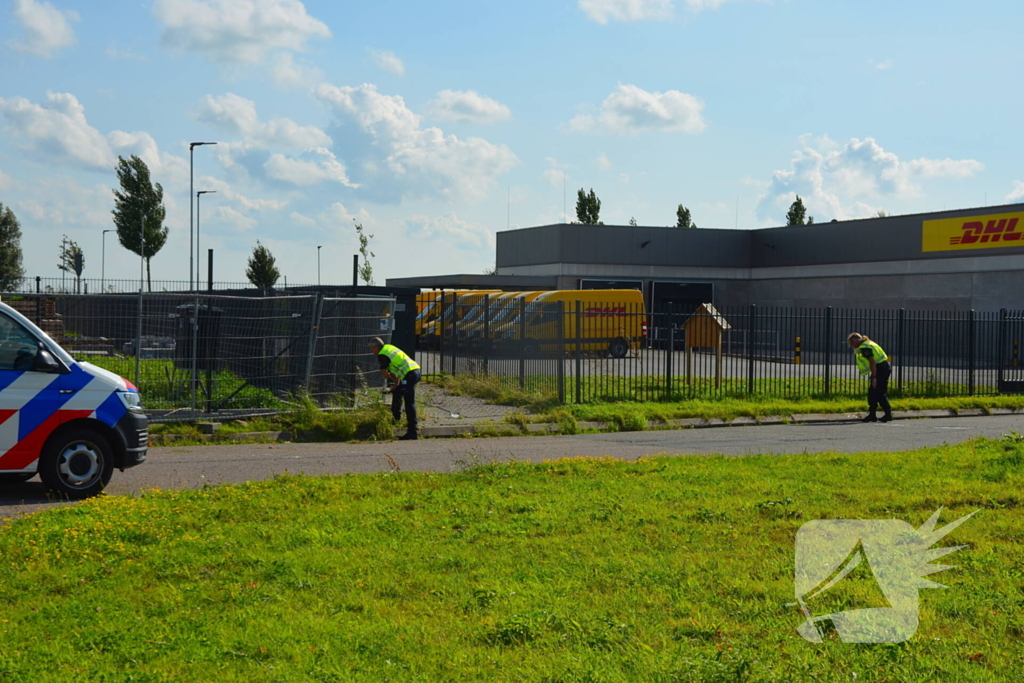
438,124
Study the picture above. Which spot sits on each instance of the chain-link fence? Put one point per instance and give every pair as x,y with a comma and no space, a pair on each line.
581,351
215,356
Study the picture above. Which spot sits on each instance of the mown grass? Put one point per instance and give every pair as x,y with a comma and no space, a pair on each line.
664,569
538,400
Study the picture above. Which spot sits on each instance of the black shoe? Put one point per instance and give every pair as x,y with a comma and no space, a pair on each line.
870,418
886,418
409,436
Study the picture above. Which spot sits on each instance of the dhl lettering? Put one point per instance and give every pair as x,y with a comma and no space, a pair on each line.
595,311
993,231
976,231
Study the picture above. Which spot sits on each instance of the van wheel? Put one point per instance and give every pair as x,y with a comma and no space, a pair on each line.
618,348
76,464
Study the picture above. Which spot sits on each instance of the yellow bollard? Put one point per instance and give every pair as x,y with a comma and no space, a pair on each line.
796,352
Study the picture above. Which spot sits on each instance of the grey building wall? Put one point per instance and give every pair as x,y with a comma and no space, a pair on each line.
850,264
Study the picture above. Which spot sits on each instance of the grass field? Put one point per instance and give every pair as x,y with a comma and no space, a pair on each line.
665,569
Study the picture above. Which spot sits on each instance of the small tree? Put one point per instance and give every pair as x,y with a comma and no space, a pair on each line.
262,271
588,208
69,249
810,220
632,221
11,271
683,219
139,198
881,214
797,214
365,267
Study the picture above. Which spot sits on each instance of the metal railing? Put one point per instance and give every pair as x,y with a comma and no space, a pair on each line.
74,285
216,356
571,354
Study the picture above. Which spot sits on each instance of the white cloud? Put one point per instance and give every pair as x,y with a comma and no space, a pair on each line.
286,72
338,217
469,106
602,162
56,128
554,174
61,200
115,52
238,115
389,61
302,220
6,182
603,11
398,158
316,166
233,217
236,30
47,29
840,182
1017,192
631,109
452,230
883,65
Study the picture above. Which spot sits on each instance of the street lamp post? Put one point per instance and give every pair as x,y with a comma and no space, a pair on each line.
142,280
195,308
318,264
103,261
191,250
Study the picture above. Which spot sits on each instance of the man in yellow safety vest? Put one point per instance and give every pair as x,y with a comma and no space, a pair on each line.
404,373
872,360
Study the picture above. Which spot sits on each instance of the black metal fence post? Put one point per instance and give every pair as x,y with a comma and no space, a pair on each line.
454,341
1002,346
579,352
486,340
522,343
901,327
560,352
750,348
971,353
440,331
668,359
828,351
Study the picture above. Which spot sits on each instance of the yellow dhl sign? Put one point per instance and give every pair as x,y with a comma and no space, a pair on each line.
973,232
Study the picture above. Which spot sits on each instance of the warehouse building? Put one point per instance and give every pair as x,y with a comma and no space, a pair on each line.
948,260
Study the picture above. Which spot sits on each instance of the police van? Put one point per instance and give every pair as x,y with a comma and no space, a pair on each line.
68,421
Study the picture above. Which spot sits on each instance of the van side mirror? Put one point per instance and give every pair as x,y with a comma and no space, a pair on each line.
45,362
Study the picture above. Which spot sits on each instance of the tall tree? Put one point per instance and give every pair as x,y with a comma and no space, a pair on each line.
69,249
365,267
262,271
11,271
588,208
797,214
139,198
683,219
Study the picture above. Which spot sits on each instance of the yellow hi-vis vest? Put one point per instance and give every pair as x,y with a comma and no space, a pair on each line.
401,364
877,354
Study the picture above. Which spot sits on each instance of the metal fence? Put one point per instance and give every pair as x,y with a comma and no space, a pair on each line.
582,351
75,285
214,356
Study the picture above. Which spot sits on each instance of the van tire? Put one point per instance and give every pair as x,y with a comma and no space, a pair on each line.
618,348
76,463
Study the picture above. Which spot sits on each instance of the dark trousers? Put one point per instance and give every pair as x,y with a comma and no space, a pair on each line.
876,394
406,391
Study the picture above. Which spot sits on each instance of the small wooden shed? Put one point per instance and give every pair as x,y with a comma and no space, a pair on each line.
704,331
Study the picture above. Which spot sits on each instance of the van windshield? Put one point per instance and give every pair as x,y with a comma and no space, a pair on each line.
31,328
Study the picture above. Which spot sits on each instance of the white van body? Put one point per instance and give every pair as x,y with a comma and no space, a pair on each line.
68,421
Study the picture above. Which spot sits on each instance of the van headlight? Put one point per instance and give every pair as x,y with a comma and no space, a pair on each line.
131,401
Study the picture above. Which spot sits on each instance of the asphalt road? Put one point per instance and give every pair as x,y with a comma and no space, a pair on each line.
183,467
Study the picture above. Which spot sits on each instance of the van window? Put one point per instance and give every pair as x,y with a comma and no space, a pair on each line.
18,348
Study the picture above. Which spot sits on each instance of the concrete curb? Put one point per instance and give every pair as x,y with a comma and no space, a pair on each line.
501,429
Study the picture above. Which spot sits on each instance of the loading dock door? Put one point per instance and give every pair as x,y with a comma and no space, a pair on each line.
672,304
